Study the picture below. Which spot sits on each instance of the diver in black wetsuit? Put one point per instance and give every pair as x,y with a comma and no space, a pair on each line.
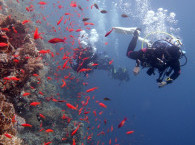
89,58
162,56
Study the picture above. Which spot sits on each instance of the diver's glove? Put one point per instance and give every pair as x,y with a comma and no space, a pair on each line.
162,84
136,70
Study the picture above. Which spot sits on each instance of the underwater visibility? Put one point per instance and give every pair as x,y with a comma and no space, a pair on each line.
97,72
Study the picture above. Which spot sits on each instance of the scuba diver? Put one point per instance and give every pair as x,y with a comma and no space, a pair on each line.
87,59
83,58
162,55
121,74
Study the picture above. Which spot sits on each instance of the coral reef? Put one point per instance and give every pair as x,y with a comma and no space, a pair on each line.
19,60
23,70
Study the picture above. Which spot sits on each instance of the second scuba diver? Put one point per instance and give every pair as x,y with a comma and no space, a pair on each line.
163,55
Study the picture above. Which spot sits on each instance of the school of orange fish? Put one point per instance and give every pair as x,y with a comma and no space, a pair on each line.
65,25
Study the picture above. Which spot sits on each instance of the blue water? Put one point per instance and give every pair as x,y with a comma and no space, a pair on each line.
162,116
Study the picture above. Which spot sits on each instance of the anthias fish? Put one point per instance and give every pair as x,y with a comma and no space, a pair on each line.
85,19
122,122
56,40
96,6
124,16
103,11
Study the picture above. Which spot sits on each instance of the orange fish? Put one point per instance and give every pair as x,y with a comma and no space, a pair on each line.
30,8
111,128
65,63
73,4
25,21
3,44
122,122
110,62
108,33
102,105
26,125
100,113
95,64
8,135
25,94
110,141
14,119
84,69
5,29
87,23
49,78
78,30
56,40
64,83
102,132
67,14
35,75
60,20
92,89
73,133
70,30
71,106
44,51
37,35
14,29
41,93
11,78
115,140
35,103
16,60
129,132
73,142
49,130
42,3
94,112
47,143
42,116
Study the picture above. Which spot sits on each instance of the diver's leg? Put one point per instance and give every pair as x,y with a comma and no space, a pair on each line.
132,44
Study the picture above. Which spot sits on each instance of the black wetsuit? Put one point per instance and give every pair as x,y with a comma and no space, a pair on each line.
162,55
